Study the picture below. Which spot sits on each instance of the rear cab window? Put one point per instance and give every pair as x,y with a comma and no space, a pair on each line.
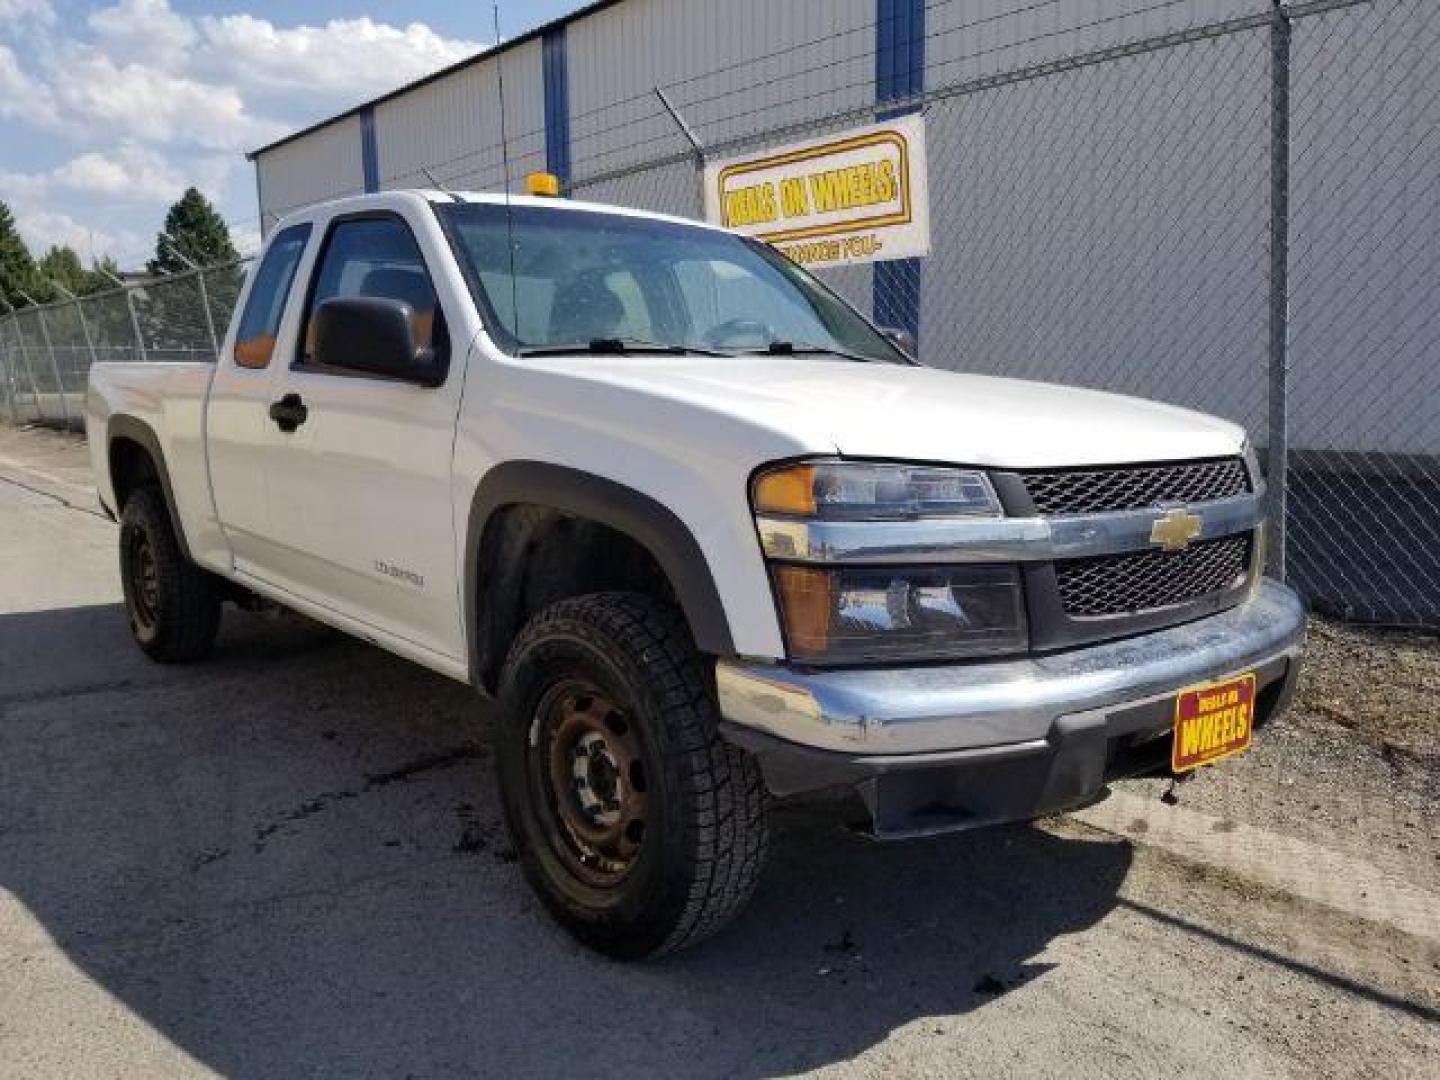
375,256
260,321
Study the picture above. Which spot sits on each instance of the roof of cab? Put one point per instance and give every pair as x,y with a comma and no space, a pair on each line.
352,203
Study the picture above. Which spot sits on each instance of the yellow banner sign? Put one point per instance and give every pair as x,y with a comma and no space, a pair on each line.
854,198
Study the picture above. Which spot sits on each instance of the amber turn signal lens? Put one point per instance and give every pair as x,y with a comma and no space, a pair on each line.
789,490
806,599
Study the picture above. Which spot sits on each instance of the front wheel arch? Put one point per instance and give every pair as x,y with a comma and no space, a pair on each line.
492,552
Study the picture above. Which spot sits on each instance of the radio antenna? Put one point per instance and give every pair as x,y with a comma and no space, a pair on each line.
438,186
505,162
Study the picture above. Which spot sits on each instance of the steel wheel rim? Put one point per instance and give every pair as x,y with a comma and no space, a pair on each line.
144,584
588,782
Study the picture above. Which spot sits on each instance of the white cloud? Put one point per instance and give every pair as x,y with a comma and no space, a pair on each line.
17,12
19,187
127,180
151,100
246,238
131,172
147,72
347,59
22,97
144,30
148,103
42,229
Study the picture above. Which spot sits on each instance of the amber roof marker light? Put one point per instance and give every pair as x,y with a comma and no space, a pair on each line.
543,184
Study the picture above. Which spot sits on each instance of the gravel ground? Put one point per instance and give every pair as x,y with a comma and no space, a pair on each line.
1381,685
1355,761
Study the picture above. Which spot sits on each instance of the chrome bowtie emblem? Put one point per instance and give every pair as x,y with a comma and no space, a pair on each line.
1176,529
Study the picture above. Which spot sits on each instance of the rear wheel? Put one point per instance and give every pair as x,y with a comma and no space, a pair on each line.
639,827
173,606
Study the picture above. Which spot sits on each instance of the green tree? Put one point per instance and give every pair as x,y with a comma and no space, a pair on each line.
17,268
199,233
101,275
61,264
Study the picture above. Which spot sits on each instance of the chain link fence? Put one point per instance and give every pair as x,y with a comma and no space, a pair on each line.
46,351
1229,205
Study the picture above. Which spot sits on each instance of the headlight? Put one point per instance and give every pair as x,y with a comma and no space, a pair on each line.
942,613
856,613
866,491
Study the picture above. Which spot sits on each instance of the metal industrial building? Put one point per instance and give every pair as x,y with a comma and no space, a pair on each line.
1226,204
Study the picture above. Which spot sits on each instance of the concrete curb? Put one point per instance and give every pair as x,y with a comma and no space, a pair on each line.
1287,865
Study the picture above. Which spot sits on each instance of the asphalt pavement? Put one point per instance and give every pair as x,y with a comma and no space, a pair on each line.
288,861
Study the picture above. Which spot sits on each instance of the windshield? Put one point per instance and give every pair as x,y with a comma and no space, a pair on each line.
598,282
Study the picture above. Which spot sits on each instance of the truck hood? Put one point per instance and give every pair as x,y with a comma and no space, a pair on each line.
916,413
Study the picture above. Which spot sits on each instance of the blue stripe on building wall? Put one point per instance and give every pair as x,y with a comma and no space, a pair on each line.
557,104
899,74
369,152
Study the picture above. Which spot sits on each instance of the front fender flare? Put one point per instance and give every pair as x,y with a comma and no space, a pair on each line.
573,491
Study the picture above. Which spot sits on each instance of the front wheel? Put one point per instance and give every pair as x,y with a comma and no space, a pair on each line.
639,827
173,605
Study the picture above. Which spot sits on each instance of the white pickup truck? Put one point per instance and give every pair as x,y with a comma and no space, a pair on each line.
707,534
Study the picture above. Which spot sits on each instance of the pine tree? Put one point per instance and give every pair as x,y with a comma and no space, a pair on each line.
101,275
61,264
17,268
198,231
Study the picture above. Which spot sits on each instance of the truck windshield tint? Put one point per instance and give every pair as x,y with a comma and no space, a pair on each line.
577,278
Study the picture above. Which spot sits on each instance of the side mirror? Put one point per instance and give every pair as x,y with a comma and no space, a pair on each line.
903,340
375,335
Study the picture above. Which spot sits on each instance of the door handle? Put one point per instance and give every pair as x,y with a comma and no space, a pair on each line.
289,412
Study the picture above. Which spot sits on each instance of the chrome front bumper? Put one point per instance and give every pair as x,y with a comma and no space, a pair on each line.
995,708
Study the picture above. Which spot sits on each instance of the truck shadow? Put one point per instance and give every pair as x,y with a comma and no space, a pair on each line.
290,860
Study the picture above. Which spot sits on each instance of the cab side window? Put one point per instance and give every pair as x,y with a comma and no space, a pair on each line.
376,256
255,337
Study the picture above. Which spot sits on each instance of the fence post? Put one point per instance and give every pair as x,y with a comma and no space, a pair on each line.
204,294
24,352
7,369
209,317
130,306
1278,453
135,323
84,326
5,376
54,363
696,146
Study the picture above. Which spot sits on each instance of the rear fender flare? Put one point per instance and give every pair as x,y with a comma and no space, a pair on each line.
143,435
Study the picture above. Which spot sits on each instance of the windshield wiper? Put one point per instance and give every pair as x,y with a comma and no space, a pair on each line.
807,348
618,347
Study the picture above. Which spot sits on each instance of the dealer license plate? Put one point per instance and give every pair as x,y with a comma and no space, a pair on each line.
1213,722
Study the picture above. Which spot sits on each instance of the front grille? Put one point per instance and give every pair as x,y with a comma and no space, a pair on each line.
1134,487
1142,581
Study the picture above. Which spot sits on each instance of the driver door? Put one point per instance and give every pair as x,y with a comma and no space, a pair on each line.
359,502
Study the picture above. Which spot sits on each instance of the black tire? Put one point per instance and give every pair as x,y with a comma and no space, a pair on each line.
622,669
173,605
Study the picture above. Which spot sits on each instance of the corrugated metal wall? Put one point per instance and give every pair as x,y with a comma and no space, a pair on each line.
1366,230
1104,225
452,125
1108,227
975,38
733,69
323,165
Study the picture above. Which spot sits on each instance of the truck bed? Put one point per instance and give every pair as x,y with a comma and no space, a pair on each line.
168,399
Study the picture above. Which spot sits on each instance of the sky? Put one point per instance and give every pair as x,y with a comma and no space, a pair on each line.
108,111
